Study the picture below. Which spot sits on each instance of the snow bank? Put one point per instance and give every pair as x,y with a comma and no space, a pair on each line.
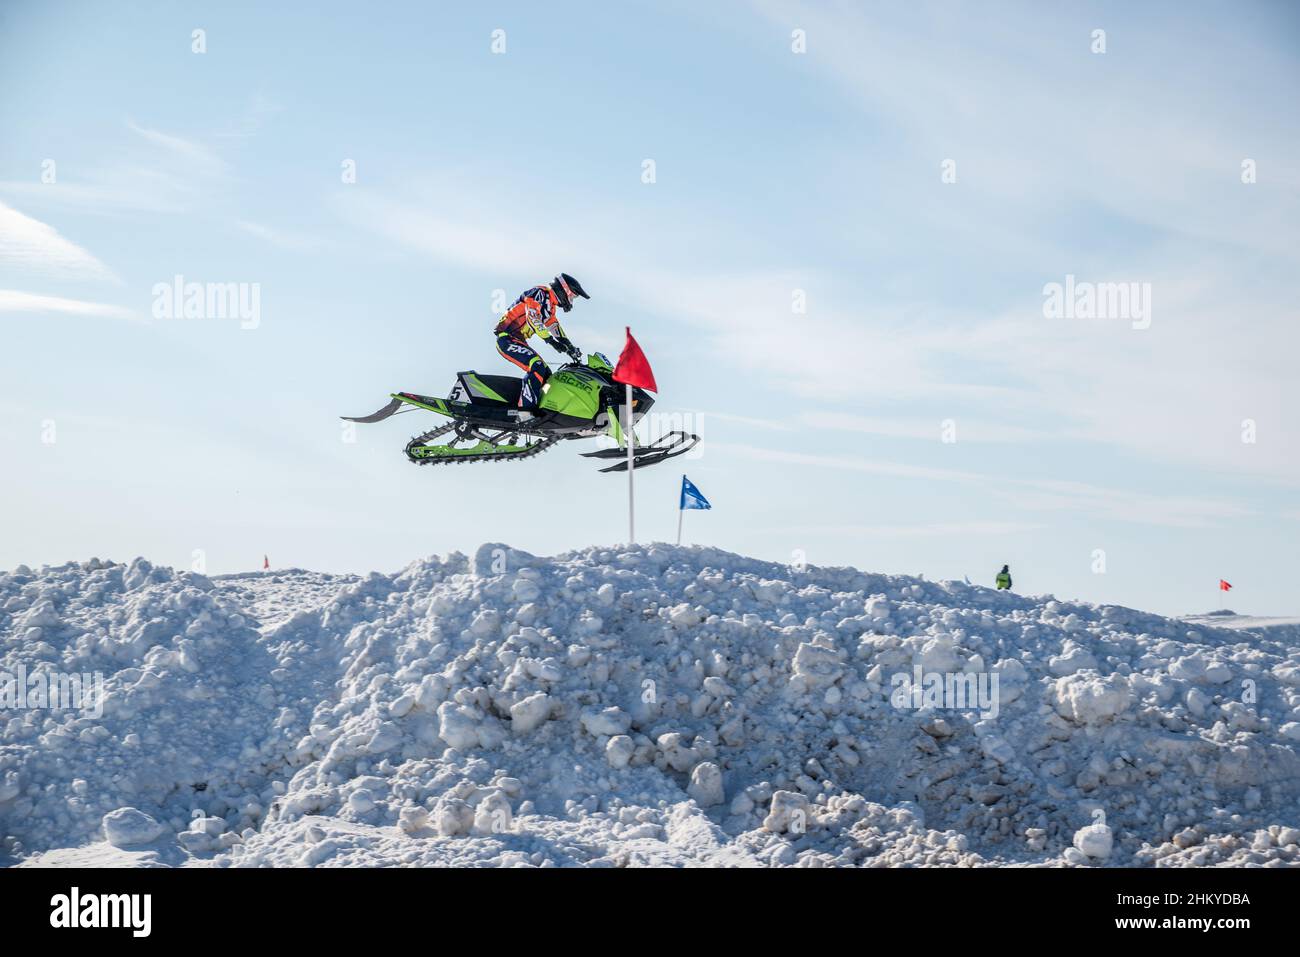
637,705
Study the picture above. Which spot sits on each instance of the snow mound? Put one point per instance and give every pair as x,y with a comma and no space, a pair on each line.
638,705
1281,629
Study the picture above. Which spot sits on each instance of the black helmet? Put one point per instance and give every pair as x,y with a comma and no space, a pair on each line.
565,288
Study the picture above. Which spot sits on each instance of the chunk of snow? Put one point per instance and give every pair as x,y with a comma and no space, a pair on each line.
1090,699
454,817
816,666
458,725
1094,841
128,826
706,784
789,812
529,713
619,750
608,721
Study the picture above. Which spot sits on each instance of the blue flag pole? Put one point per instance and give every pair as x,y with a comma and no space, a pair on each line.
681,510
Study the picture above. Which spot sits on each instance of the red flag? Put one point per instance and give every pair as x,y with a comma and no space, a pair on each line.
1224,586
266,562
632,368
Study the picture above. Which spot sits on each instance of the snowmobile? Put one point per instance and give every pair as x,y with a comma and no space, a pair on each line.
581,400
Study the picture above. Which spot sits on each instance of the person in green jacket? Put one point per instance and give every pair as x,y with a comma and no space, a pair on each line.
1004,578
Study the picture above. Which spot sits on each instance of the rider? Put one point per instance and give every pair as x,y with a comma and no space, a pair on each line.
534,312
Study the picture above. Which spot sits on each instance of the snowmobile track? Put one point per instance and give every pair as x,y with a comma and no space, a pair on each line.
537,448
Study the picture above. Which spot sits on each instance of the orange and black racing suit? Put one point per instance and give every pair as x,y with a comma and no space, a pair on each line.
533,312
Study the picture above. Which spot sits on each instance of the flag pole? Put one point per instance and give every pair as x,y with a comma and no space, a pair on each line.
680,513
631,464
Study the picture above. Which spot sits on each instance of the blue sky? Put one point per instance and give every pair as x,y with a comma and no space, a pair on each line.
775,172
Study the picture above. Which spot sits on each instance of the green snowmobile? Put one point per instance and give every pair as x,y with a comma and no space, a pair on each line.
581,400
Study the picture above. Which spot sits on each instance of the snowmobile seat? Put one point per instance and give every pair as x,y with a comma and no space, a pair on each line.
479,389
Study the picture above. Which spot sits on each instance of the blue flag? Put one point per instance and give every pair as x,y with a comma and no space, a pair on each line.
692,497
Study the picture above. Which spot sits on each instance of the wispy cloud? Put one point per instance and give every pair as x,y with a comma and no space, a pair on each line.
37,248
1100,502
774,425
106,192
16,301
967,429
199,157
260,108
485,242
151,172
284,239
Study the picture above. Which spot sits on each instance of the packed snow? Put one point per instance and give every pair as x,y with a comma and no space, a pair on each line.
1285,628
640,705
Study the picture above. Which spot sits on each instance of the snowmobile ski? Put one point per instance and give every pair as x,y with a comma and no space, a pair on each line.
646,455
379,416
